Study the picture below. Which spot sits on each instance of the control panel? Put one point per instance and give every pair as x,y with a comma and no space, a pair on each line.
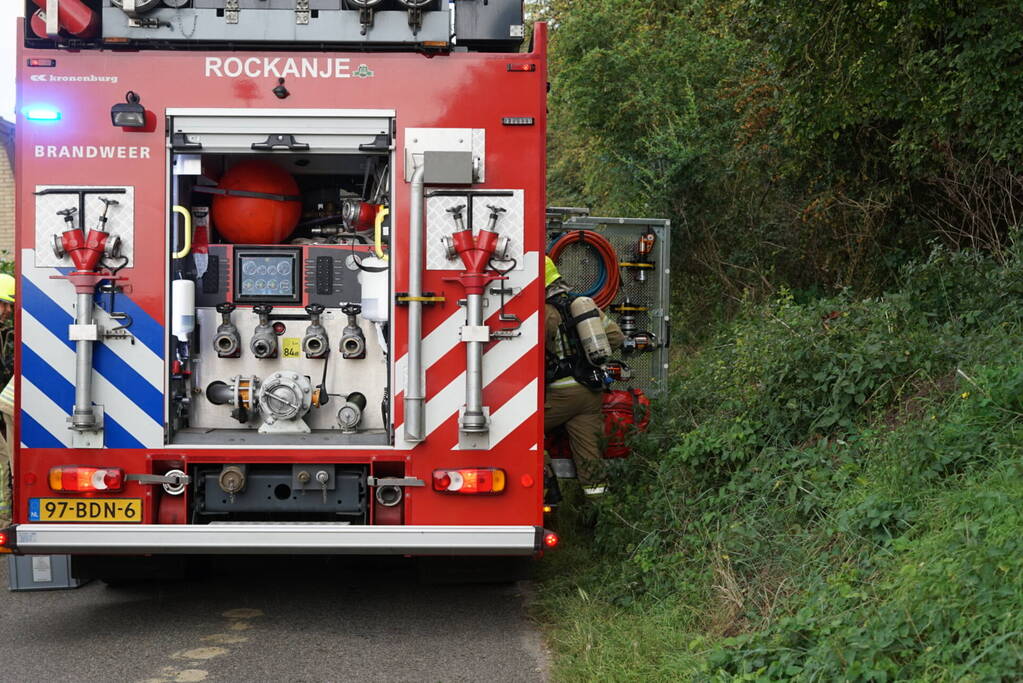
267,275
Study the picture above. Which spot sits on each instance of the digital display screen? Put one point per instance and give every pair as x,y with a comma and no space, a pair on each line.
267,276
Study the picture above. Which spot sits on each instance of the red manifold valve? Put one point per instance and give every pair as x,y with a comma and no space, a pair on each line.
87,250
470,480
83,479
476,253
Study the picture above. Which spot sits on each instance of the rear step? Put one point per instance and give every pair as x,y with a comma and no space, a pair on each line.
270,538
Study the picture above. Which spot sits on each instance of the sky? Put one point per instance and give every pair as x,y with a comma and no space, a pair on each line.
9,9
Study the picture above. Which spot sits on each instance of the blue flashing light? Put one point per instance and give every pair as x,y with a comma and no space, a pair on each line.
41,114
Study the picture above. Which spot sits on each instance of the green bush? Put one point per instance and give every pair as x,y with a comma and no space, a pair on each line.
830,491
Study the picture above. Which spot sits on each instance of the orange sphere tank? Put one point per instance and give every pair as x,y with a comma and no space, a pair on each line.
247,219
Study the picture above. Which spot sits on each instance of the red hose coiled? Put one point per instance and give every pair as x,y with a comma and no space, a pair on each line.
607,293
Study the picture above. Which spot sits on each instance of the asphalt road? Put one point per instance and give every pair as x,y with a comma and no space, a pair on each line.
296,620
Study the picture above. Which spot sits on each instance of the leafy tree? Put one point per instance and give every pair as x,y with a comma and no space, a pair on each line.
815,145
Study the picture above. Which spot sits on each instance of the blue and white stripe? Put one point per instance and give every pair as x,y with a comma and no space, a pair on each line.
128,379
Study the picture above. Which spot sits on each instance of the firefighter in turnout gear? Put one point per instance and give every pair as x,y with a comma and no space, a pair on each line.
575,384
7,287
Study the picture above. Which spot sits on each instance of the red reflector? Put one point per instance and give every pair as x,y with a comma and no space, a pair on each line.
41,61
469,480
441,480
522,67
550,539
113,479
280,328
80,479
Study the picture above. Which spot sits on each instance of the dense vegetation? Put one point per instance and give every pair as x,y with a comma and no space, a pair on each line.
832,490
810,144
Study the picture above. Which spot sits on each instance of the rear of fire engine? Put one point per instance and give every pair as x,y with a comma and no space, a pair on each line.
280,279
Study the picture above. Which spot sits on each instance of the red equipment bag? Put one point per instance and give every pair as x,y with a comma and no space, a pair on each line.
624,412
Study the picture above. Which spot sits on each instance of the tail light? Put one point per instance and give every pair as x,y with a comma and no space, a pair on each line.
550,539
6,541
469,480
78,479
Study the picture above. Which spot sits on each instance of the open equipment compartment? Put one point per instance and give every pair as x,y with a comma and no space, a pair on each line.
279,293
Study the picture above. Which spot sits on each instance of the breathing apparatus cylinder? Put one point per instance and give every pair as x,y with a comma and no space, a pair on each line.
589,326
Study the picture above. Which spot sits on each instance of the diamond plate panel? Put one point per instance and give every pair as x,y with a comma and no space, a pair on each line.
120,220
439,224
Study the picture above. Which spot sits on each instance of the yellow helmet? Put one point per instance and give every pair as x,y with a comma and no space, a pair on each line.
551,273
7,288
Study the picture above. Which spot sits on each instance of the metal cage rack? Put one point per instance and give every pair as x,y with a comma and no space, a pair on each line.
583,268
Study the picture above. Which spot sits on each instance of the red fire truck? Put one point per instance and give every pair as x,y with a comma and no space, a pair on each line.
281,283
280,274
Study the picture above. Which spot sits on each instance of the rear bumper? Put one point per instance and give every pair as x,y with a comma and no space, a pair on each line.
270,538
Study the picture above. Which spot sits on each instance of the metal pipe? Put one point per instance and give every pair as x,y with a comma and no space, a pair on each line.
473,419
414,390
83,419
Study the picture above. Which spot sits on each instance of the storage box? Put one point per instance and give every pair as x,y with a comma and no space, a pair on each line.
40,572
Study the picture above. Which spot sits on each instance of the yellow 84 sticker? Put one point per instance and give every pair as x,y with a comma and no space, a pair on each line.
291,347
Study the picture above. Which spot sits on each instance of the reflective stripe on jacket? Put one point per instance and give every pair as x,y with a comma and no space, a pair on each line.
7,398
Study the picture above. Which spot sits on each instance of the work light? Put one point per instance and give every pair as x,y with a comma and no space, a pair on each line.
128,114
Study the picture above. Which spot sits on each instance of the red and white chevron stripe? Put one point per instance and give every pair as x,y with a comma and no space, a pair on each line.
511,385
